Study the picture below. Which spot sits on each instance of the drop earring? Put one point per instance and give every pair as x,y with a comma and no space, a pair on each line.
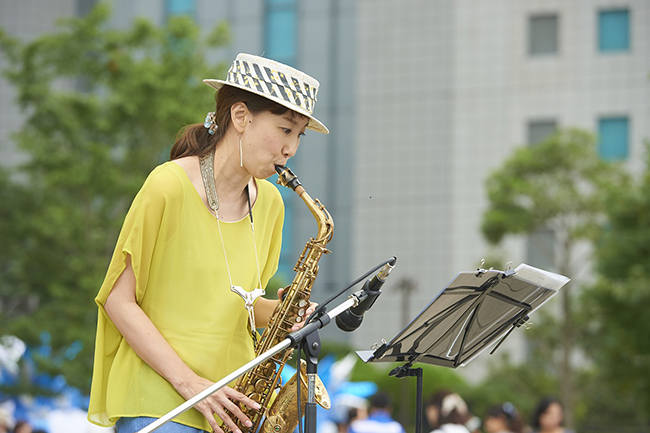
241,159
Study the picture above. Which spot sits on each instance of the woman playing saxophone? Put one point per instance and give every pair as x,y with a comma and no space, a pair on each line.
178,308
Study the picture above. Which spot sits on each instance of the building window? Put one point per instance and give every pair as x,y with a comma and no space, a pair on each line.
180,7
541,249
614,30
280,42
613,138
543,35
540,130
85,6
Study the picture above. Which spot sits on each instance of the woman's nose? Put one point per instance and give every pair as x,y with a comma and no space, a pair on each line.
291,149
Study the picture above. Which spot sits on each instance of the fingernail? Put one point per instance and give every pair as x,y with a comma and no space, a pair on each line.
257,406
237,431
248,423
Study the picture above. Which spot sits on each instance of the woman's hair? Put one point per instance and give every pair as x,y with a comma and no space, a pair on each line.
452,408
542,407
509,414
195,139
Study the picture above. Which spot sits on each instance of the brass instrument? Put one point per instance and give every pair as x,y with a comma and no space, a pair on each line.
260,383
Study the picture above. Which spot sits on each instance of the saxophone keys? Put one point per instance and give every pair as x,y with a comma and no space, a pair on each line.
260,385
301,312
298,319
302,303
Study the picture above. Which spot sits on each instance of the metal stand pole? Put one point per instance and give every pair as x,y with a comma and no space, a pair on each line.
406,371
292,339
311,346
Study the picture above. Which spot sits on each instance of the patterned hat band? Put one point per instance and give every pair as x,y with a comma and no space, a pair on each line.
273,80
273,83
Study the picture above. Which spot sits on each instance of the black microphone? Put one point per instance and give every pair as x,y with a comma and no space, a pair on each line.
351,319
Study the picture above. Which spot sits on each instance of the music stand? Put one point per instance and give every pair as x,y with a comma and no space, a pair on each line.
472,312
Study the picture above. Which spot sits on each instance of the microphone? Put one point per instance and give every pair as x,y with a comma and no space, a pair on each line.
351,319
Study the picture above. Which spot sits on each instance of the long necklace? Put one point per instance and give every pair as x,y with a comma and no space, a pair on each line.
207,173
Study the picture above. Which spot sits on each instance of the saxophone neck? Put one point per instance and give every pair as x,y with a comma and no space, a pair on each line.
325,223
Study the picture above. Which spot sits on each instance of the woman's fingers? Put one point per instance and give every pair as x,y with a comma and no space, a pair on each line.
226,406
227,420
312,308
242,398
309,312
208,413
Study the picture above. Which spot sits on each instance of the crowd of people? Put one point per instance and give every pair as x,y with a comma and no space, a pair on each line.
7,424
447,412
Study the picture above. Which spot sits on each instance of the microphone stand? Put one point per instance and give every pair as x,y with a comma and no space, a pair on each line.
311,347
301,336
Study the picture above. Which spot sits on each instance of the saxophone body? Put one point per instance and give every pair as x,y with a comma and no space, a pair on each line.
261,382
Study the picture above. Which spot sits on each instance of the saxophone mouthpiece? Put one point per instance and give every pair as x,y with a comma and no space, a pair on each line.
286,177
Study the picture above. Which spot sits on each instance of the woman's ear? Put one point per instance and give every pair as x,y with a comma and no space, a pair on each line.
239,115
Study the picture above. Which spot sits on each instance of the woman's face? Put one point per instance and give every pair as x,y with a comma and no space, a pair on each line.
495,424
270,140
552,417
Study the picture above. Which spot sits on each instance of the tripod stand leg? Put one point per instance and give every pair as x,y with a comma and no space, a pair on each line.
419,412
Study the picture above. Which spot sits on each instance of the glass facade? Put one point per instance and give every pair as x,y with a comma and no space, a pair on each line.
280,31
540,130
180,7
613,138
543,35
614,30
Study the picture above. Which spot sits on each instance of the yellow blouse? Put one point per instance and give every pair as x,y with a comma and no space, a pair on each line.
183,286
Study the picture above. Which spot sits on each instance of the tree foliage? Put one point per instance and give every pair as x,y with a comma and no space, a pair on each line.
555,184
102,108
617,303
561,185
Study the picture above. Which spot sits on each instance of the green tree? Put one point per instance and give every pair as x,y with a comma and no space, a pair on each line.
102,107
557,185
617,303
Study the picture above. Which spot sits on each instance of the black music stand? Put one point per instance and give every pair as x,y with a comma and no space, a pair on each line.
474,311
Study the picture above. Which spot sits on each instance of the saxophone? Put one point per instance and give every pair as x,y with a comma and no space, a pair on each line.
260,383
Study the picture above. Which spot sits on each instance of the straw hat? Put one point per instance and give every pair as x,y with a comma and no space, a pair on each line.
276,81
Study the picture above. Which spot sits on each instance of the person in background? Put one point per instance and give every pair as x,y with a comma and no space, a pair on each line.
6,421
453,413
549,417
352,415
23,426
379,417
432,412
503,418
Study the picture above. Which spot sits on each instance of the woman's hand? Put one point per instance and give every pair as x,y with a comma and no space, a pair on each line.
145,339
308,312
217,403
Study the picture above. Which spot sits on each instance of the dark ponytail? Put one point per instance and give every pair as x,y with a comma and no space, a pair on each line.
192,139
195,139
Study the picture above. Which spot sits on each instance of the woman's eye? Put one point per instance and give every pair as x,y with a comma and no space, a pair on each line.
286,131
302,134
